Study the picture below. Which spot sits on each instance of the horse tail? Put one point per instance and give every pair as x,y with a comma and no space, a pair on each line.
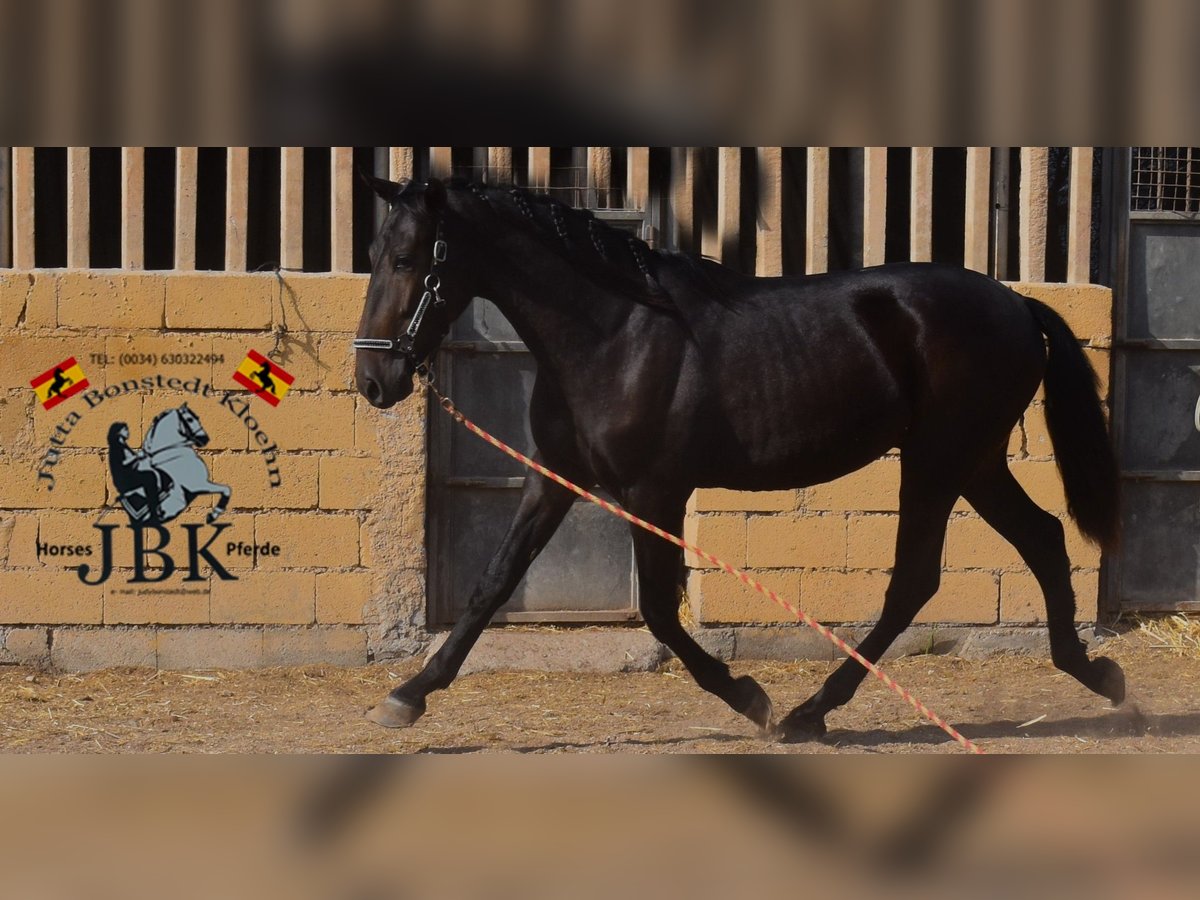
1078,431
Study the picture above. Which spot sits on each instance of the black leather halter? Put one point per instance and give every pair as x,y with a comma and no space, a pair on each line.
406,344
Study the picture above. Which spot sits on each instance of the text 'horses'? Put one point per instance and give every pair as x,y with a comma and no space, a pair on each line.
659,373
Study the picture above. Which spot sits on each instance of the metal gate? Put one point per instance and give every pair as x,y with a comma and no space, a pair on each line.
586,572
1157,384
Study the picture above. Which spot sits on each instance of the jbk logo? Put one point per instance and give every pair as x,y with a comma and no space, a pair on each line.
154,485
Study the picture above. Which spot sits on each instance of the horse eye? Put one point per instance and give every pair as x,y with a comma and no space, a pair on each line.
404,262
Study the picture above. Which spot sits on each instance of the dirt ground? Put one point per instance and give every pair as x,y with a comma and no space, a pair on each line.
1006,704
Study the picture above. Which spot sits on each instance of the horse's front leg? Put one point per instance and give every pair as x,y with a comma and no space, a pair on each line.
543,506
225,491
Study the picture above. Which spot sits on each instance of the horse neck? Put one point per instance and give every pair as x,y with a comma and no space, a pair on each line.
150,443
558,312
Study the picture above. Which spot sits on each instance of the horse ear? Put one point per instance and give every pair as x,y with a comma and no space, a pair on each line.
435,195
387,190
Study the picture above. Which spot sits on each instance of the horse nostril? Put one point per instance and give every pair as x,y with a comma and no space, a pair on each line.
373,391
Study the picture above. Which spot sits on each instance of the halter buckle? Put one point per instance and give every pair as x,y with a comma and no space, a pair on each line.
439,250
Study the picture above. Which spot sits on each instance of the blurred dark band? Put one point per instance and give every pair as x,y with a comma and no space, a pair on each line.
761,72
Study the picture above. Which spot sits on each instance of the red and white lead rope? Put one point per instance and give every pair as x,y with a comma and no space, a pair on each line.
746,578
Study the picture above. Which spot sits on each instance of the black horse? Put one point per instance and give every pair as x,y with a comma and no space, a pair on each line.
659,373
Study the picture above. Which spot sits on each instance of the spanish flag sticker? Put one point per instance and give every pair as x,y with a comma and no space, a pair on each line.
263,377
60,382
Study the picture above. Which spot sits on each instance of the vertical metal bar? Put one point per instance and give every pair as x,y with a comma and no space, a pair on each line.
1079,217
768,252
291,207
79,164
637,178
237,207
1001,175
440,161
977,218
874,205
920,220
186,165
683,206
729,203
400,163
133,207
341,209
816,211
6,207
539,168
499,165
599,176
1033,201
22,208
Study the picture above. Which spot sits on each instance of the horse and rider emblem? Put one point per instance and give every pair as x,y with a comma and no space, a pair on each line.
158,481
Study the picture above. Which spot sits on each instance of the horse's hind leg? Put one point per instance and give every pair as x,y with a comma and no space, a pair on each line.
544,505
1038,537
660,573
925,506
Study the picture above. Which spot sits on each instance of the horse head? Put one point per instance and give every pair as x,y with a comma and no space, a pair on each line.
190,428
407,312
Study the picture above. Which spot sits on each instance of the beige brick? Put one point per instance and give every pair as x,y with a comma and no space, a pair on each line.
7,523
1087,308
85,650
721,597
296,354
148,354
310,421
23,357
16,417
337,362
722,500
797,541
1022,601
80,482
972,543
28,299
22,538
284,598
1041,481
1101,361
341,596
210,648
37,598
875,488
28,646
366,429
308,540
339,646
221,302
1016,441
68,529
124,604
1082,552
871,542
246,474
349,482
90,299
323,302
855,596
963,598
1037,437
91,428
722,536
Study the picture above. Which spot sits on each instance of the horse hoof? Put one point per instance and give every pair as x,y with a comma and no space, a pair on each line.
1107,679
393,713
800,727
756,706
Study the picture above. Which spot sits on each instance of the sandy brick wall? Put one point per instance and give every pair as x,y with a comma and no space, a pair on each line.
351,555
830,547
